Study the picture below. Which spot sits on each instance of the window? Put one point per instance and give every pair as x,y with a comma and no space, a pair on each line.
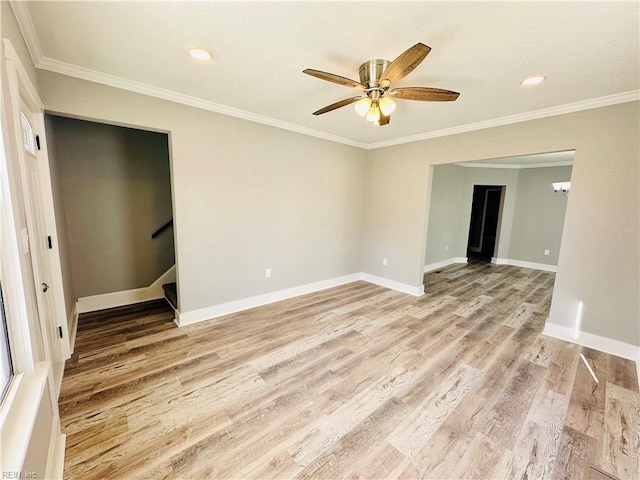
27,134
6,366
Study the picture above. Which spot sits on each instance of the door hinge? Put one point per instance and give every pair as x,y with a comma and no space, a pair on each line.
59,331
38,141
49,243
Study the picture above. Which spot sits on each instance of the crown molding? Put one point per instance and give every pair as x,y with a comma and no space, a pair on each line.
25,24
76,71
27,28
632,96
513,166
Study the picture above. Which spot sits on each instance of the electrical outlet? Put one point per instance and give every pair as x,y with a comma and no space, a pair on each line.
267,273
446,248
385,262
546,251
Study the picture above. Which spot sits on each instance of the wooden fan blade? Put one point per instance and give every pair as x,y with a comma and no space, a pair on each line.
425,94
405,63
384,119
330,77
339,104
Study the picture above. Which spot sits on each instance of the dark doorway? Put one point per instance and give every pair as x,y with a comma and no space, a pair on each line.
485,213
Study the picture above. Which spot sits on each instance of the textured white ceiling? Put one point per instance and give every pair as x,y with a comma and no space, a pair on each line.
481,49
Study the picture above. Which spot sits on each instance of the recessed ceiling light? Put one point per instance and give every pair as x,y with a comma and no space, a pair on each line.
199,53
532,81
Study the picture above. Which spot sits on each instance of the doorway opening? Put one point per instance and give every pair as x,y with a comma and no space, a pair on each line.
504,210
113,198
484,224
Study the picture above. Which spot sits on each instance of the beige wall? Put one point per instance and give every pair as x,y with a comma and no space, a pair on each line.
116,192
246,196
601,234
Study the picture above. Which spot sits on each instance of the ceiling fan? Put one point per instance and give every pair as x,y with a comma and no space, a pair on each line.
376,77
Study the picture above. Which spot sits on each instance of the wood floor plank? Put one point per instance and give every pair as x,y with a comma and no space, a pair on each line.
356,382
587,403
621,442
575,453
414,432
622,372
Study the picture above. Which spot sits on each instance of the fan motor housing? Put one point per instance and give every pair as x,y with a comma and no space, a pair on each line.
371,71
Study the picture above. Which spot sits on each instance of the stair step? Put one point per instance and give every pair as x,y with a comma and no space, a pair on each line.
171,294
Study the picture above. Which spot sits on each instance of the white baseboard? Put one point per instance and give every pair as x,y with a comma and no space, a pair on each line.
126,297
416,291
214,311
444,263
55,458
73,328
521,263
597,342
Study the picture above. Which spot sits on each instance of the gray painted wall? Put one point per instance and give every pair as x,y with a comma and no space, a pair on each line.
599,254
246,196
116,192
532,216
539,215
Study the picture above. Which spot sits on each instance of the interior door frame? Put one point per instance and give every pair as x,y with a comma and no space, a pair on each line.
20,88
488,188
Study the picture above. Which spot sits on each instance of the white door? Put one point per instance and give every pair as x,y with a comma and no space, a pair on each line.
39,240
25,114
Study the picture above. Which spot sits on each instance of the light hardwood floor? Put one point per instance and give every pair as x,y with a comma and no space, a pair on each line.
353,382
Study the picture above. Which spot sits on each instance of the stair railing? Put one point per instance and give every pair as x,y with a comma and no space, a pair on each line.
162,229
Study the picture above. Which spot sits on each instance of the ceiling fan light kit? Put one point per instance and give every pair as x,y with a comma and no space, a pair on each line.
376,78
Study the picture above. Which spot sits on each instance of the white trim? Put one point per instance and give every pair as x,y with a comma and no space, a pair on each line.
57,372
73,327
167,277
564,163
83,73
631,96
116,299
416,291
523,264
18,425
28,30
208,313
597,342
71,70
444,263
55,458
126,297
